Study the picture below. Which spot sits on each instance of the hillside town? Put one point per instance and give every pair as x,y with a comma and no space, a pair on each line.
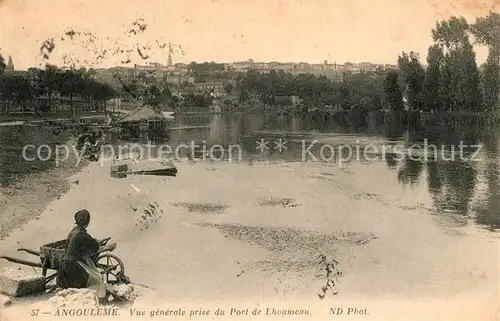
180,87
178,74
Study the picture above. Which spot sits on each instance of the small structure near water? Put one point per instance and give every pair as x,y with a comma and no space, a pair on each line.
144,124
156,167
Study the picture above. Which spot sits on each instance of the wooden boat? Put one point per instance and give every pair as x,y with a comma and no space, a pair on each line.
155,166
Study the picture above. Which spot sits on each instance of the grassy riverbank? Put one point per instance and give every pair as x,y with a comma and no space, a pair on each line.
27,187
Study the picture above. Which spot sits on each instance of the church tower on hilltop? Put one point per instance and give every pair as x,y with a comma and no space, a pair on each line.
170,60
10,64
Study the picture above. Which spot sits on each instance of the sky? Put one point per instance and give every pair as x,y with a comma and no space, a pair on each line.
226,31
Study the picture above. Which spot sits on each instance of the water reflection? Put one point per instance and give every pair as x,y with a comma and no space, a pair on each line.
461,187
391,160
409,172
452,185
488,211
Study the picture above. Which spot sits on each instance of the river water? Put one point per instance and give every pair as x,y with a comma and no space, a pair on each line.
461,186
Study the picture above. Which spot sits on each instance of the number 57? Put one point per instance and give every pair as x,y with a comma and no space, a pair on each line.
34,312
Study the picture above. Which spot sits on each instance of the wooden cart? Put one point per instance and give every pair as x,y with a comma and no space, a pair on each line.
110,265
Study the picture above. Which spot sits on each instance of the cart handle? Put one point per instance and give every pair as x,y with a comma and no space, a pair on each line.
104,241
19,261
106,248
29,251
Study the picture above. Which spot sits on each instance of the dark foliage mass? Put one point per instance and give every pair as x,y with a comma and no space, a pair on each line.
25,87
452,81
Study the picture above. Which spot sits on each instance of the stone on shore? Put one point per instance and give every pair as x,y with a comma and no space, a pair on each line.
119,168
119,171
5,301
73,298
19,283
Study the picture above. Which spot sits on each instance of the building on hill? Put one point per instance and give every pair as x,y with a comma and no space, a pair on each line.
177,79
151,68
367,66
243,66
214,88
332,71
333,75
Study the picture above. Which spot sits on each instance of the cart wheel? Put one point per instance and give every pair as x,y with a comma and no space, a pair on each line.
111,266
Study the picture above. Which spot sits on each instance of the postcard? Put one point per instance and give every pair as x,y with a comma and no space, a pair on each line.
249,160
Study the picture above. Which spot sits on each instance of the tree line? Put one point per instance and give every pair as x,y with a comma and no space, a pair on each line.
363,90
25,88
451,79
